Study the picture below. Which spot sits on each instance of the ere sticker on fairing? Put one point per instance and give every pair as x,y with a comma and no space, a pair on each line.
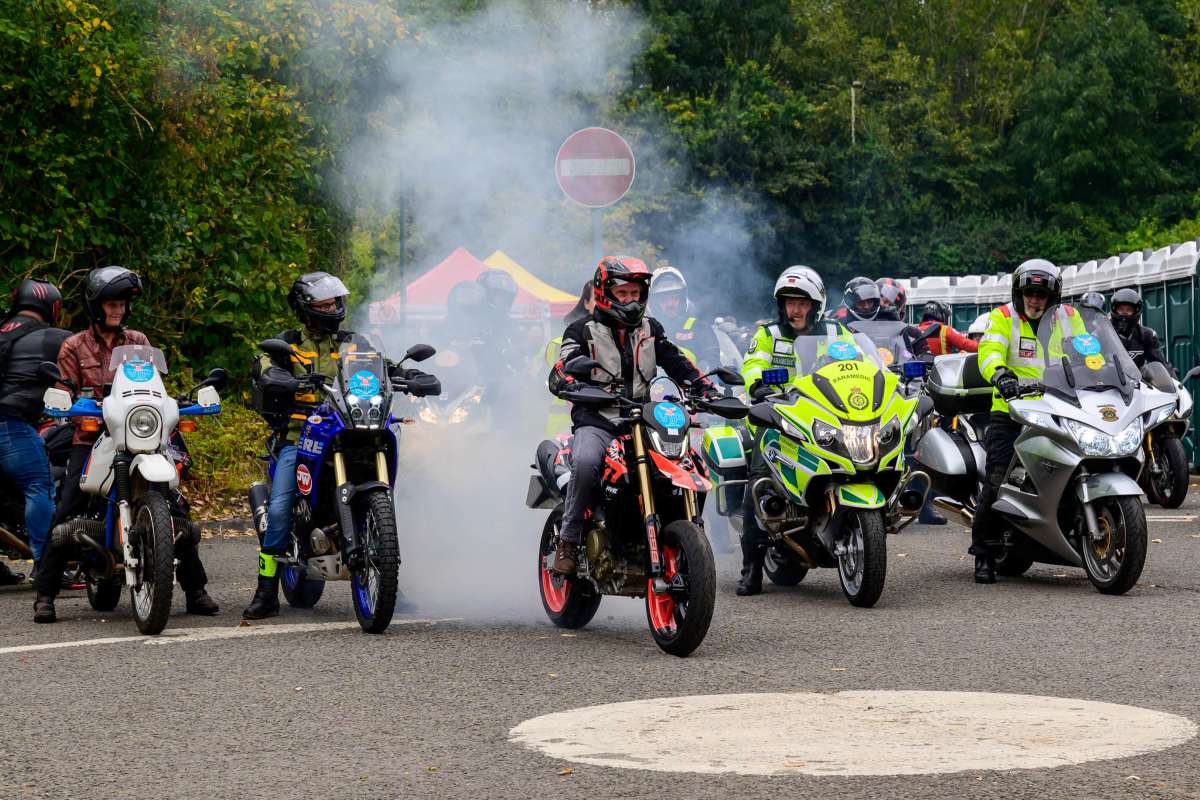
1094,362
1086,345
364,384
670,416
843,351
138,371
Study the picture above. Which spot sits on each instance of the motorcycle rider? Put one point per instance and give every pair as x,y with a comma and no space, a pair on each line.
1141,341
799,301
28,337
669,305
1092,300
948,339
318,300
893,300
860,301
630,345
1008,352
978,328
84,358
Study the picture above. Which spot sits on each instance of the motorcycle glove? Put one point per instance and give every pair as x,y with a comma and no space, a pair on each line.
761,391
1007,384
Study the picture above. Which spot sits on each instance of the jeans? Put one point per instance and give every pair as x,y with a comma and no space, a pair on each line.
281,508
585,489
23,459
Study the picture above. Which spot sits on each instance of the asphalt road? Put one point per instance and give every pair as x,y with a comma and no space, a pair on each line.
426,709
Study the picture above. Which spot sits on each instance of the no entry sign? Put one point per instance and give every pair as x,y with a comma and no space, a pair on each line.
594,167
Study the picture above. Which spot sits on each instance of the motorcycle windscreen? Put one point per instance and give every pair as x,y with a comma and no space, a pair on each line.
888,338
365,386
137,361
829,346
1081,351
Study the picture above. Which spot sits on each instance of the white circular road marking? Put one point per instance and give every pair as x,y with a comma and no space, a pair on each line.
851,733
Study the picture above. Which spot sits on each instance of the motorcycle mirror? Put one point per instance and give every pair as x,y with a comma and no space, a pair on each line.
419,352
1194,372
277,349
581,367
933,331
763,416
218,378
729,376
49,374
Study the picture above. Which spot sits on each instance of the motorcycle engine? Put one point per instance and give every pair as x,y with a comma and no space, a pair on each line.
599,555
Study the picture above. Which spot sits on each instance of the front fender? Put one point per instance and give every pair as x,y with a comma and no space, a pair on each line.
155,468
1107,484
860,495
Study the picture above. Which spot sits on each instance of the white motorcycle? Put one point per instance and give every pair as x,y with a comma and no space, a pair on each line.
1070,495
128,537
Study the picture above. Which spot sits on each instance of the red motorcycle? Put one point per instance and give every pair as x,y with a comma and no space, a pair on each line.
647,538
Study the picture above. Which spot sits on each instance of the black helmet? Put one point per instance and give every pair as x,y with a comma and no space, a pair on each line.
110,283
1126,325
466,298
937,311
1092,300
317,287
614,270
500,290
35,294
1036,273
861,290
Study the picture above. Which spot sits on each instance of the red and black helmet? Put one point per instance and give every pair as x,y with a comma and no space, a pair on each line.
892,296
613,271
35,294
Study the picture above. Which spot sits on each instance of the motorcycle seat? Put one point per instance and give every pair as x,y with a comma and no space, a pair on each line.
956,385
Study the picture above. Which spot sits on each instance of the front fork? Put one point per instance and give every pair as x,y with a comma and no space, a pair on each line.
651,516
345,494
124,517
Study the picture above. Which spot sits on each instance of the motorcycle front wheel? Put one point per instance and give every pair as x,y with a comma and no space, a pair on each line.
1114,561
153,543
862,564
679,617
375,583
1168,487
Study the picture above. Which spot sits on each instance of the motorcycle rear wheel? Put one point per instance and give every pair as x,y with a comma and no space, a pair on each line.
679,618
1115,563
782,570
569,602
375,583
103,593
863,567
154,546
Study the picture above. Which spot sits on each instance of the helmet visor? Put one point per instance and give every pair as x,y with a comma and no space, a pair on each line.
326,288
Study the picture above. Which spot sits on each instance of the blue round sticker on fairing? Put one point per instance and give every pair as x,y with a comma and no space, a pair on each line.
138,371
843,351
1085,344
670,415
364,384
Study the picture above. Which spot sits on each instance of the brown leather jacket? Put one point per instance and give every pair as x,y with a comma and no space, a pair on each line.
84,359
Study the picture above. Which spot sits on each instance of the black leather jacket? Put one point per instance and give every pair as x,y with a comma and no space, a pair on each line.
21,389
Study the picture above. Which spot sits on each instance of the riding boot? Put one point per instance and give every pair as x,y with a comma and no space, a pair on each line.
265,602
198,602
43,609
985,568
753,555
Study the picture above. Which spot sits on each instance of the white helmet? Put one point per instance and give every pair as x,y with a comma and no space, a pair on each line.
801,281
979,326
667,279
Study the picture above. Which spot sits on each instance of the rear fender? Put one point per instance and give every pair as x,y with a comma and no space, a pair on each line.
678,475
860,496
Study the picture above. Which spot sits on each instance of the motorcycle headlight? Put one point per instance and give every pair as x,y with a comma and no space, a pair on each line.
667,448
888,434
1037,419
427,415
1094,442
826,435
458,415
142,422
860,443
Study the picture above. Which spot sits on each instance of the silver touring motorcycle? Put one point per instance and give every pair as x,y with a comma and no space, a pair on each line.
1070,495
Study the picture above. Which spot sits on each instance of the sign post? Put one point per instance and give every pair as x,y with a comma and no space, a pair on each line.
595,168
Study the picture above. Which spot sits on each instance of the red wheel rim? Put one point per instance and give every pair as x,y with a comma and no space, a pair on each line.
555,597
662,606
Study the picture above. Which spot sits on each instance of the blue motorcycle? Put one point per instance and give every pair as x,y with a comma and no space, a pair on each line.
344,526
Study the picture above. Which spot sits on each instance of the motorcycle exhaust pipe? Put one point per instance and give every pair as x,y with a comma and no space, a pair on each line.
768,504
808,560
260,496
965,515
912,499
12,542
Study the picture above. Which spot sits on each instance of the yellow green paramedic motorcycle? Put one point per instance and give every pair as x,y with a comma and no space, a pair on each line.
832,443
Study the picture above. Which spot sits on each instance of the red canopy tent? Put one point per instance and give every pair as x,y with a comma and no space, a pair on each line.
427,295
